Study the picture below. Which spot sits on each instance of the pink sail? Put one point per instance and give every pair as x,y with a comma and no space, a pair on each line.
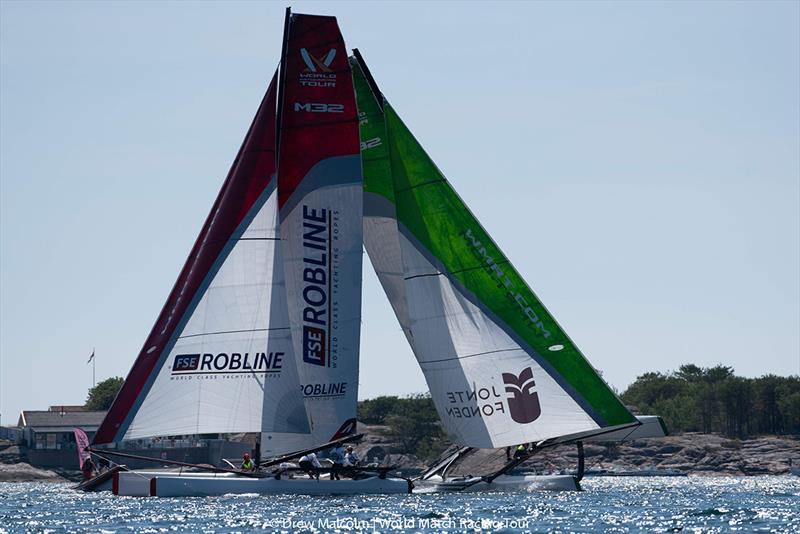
82,443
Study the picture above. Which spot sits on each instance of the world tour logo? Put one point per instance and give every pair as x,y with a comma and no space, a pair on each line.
316,65
522,403
318,72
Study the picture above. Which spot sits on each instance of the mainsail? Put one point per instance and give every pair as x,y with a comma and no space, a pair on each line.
320,199
219,358
501,371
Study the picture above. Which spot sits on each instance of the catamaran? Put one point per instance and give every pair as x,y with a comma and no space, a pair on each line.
501,371
261,331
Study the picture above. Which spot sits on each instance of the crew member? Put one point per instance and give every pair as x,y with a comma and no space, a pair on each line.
520,451
337,457
247,463
309,461
87,469
351,458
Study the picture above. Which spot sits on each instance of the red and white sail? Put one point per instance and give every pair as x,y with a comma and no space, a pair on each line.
219,358
320,198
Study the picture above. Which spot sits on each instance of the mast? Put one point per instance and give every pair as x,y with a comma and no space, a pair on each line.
281,78
373,85
319,197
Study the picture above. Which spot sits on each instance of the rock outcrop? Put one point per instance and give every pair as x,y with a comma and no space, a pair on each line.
23,472
693,453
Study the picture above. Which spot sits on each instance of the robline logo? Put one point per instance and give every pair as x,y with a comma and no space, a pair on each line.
523,404
316,287
316,65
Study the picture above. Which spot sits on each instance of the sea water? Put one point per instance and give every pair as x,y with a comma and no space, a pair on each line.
658,504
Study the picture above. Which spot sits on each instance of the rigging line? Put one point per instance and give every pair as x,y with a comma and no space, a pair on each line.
471,355
459,271
234,332
423,184
422,276
628,434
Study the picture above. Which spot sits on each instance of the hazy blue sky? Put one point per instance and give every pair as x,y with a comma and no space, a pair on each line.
638,162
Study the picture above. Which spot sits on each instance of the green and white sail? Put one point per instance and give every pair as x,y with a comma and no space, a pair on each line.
381,237
500,370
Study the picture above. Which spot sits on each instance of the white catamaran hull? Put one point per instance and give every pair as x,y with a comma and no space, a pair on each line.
501,483
182,486
137,483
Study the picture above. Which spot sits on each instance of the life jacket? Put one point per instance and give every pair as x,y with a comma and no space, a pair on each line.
247,465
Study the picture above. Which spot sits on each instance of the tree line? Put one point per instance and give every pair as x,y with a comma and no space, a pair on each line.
714,399
691,399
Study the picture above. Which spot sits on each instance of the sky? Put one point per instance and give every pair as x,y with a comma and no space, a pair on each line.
638,162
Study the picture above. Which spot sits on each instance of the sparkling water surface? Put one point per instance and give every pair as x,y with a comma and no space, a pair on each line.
686,504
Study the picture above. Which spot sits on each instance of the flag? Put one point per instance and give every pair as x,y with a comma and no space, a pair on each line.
91,357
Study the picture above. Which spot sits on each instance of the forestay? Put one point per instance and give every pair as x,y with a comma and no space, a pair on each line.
220,350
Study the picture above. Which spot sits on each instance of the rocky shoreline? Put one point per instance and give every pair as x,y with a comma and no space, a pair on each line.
692,453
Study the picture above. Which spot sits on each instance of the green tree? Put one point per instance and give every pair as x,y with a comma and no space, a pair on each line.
690,373
737,399
412,421
374,411
102,395
714,399
415,424
718,373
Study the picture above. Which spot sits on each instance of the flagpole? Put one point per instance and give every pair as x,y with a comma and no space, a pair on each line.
94,382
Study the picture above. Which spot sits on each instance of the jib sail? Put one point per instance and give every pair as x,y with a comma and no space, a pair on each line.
320,188
220,351
501,371
381,237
